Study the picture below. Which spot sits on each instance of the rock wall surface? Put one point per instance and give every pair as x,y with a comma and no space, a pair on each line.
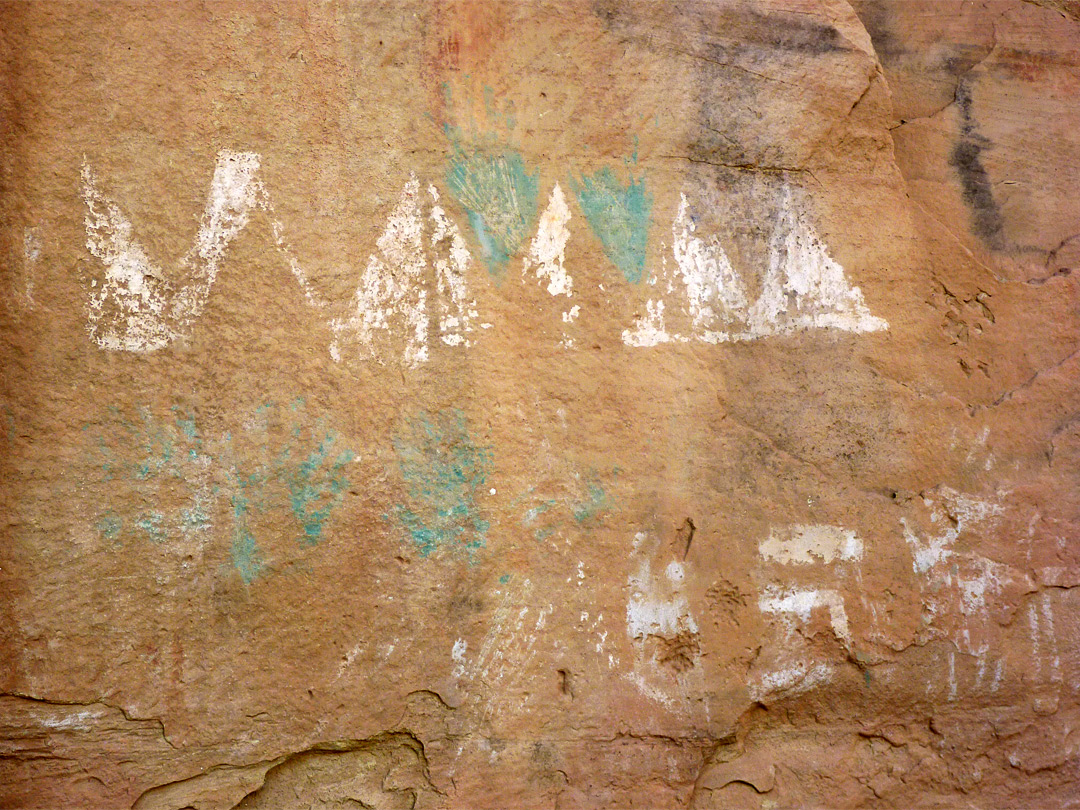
550,404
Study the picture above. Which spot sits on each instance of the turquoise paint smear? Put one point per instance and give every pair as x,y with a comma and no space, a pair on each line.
291,477
592,505
586,506
491,180
246,556
187,425
619,216
316,488
500,199
443,470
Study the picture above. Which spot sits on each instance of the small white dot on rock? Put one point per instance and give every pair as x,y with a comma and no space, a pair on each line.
491,491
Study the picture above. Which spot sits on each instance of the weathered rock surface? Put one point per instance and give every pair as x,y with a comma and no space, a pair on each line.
472,404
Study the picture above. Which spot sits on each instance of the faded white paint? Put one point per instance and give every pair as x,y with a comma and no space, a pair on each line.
649,330
1041,620
791,680
801,544
457,654
802,287
783,669
958,586
136,308
493,677
130,309
546,256
80,720
715,295
961,511
546,253
31,257
452,261
295,267
801,602
391,300
657,607
389,312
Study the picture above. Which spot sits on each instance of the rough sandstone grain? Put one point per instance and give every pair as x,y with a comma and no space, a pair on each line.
473,404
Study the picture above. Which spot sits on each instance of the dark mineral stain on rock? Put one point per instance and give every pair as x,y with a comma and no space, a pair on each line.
966,158
875,18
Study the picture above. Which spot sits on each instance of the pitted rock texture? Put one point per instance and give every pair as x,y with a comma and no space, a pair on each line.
555,404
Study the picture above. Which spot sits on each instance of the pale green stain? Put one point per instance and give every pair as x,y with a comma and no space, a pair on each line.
492,182
504,579
593,504
619,216
499,197
188,427
152,524
157,445
110,525
312,481
536,511
443,470
194,518
586,506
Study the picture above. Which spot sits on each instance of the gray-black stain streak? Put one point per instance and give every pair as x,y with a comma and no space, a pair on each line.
784,32
966,158
874,15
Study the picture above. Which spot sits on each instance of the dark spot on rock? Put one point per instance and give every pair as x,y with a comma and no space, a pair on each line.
679,653
565,686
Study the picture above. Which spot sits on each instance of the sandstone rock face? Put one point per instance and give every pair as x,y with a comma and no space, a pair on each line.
577,404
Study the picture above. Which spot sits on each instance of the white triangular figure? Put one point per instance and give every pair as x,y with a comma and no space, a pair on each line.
135,308
715,297
547,251
234,191
804,287
548,246
452,260
704,285
391,296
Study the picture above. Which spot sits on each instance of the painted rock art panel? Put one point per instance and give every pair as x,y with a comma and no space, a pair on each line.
582,404
278,470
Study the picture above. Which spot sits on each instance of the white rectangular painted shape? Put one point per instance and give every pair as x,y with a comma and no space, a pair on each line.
802,544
